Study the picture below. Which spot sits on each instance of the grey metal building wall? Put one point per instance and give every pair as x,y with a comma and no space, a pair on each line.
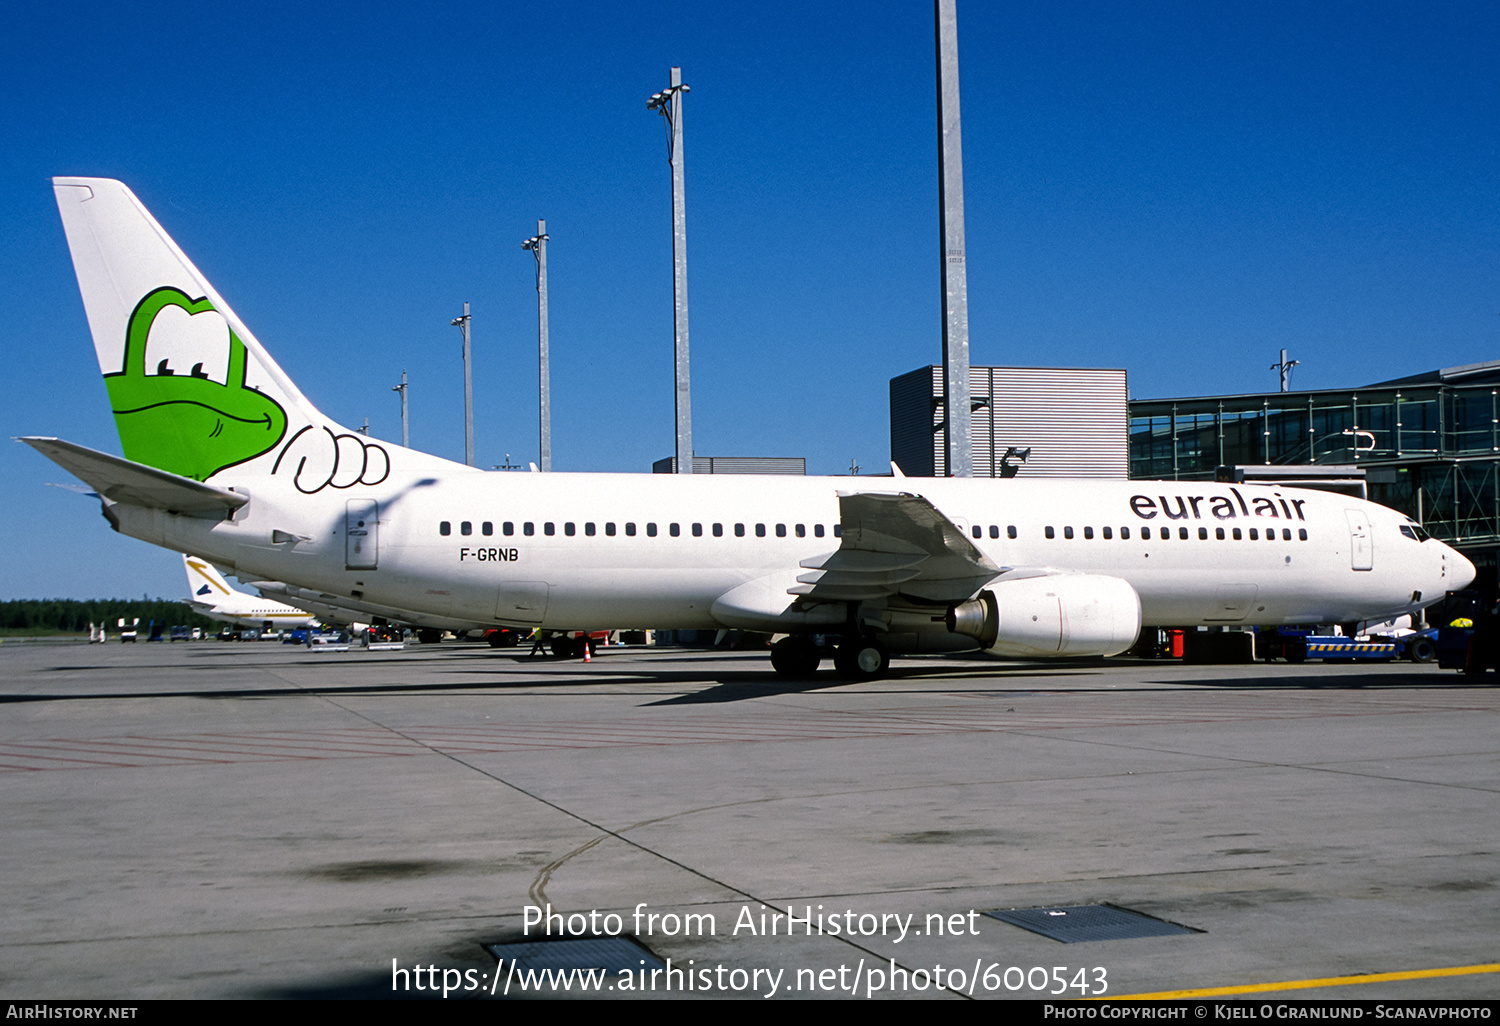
1074,420
736,465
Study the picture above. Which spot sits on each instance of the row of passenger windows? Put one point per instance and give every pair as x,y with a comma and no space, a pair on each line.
1183,533
570,529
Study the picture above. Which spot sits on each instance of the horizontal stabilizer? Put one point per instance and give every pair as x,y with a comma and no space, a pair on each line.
120,480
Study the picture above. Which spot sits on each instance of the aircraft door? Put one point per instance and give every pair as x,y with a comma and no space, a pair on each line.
1361,544
1233,602
522,602
361,534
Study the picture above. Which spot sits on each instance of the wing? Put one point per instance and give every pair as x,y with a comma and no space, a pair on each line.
895,543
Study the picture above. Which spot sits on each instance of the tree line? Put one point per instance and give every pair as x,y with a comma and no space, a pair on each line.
70,616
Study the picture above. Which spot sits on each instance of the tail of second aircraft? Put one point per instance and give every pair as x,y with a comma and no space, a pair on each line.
192,390
206,586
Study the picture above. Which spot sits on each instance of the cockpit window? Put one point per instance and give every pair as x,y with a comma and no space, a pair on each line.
1415,532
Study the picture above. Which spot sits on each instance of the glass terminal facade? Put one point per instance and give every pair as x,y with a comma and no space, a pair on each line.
1429,444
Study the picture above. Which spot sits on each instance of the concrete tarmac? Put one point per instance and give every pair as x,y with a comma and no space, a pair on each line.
257,820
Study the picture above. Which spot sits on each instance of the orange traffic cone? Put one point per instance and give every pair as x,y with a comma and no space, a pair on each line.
588,651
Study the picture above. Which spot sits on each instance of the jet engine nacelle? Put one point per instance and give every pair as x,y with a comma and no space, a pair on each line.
1055,615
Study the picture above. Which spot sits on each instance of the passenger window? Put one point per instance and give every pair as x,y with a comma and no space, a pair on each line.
1302,534
1088,532
1182,533
588,528
1236,534
781,530
718,530
508,528
445,528
609,528
1203,534
1048,532
466,528
486,528
817,530
1125,533
569,529
1010,532
801,530
549,528
1254,534
629,530
760,530
651,530
838,530
1219,533
977,531
528,529
697,530
1286,534
1068,533
675,530
739,530
1109,533
994,531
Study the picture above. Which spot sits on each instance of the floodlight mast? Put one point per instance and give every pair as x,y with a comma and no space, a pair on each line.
1285,367
957,413
668,103
537,244
462,324
405,435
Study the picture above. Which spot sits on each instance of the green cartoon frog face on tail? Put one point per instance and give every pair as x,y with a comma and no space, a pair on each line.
181,403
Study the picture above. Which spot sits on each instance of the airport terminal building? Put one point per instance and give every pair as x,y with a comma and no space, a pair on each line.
1427,445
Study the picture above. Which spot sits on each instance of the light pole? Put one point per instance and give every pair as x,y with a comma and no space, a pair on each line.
405,437
956,415
462,324
1285,367
668,103
537,244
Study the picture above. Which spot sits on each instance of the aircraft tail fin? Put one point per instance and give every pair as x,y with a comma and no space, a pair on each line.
193,391
206,586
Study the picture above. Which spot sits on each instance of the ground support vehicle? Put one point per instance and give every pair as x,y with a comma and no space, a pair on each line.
1296,646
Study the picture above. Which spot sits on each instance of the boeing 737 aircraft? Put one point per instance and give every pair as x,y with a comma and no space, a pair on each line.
212,596
227,460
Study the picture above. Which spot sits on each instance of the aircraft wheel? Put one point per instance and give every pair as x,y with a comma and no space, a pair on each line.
566,648
862,659
795,658
429,636
1295,651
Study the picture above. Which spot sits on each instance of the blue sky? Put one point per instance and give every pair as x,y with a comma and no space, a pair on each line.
1179,189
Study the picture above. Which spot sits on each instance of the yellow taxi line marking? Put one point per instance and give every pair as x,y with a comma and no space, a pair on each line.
1327,981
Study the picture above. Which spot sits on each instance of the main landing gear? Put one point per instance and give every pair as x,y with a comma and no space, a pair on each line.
861,659
797,658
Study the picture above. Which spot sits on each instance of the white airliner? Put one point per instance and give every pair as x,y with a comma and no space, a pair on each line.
212,596
227,460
